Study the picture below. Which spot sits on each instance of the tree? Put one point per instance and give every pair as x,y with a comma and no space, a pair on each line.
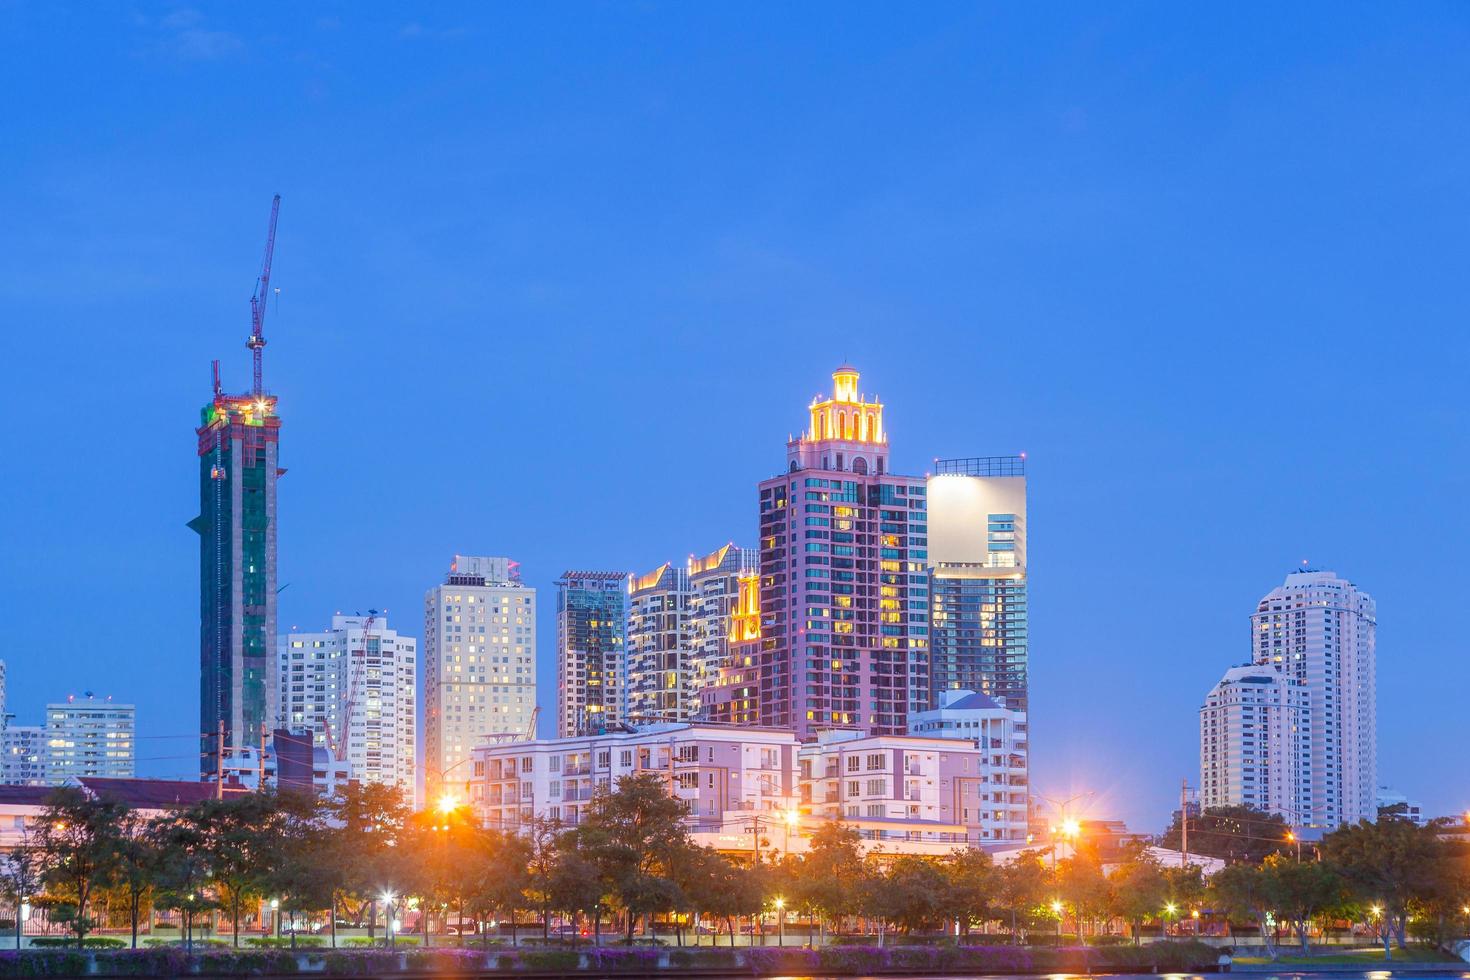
912,894
632,835
183,870
239,835
833,872
1389,864
1243,891
138,866
1139,889
1299,893
973,882
80,835
1022,887
1231,833
21,873
367,821
504,877
1082,885
300,875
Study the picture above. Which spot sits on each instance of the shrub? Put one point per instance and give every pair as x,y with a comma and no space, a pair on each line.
548,960
44,963
242,963
162,961
91,942
284,942
624,960
361,963
781,960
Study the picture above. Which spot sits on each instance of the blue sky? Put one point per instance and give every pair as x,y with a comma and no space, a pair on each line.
558,280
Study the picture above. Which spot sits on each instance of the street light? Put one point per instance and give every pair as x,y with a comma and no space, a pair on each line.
276,915
780,904
1056,910
388,897
1169,909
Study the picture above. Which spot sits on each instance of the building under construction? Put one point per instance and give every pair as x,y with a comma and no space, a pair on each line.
238,444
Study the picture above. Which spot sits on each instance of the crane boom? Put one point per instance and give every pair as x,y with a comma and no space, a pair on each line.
256,343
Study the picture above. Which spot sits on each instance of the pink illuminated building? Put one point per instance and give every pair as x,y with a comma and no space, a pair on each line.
841,638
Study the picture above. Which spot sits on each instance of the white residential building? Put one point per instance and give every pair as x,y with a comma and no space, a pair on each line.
1321,631
748,787
723,773
658,640
995,802
88,736
714,590
479,664
23,755
352,686
1255,743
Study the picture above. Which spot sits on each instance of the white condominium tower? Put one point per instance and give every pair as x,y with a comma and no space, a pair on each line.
1320,630
479,665
1254,742
678,632
353,687
88,736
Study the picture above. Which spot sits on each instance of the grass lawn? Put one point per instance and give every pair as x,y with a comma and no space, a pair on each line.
1357,957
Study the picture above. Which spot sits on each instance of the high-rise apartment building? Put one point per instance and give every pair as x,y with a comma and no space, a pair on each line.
352,688
1255,743
238,443
88,736
23,755
844,590
714,590
659,636
591,665
678,632
977,578
479,664
1320,630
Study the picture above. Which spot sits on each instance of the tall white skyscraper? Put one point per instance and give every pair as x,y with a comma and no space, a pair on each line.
479,664
353,686
1255,742
1294,732
88,736
1321,630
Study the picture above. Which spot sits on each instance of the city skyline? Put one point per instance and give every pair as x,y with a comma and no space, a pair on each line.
1186,315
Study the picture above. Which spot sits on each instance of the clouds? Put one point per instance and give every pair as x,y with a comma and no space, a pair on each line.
414,31
185,35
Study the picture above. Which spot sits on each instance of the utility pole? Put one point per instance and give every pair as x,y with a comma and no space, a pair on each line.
219,762
1184,822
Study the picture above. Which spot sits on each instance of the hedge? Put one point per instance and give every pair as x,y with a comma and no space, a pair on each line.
168,961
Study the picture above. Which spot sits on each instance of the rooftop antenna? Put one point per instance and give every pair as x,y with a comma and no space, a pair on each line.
256,343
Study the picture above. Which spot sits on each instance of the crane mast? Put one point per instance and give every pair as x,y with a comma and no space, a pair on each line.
256,343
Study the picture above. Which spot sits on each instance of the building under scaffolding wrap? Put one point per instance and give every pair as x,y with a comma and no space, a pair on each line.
238,441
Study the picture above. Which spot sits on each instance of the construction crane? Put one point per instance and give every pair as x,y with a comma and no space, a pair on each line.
357,665
256,343
528,734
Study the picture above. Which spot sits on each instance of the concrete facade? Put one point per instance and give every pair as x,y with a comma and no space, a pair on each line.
479,664
353,686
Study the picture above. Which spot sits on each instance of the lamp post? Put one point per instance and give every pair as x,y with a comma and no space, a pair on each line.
1292,838
793,821
780,904
276,916
388,915
1056,909
1169,909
